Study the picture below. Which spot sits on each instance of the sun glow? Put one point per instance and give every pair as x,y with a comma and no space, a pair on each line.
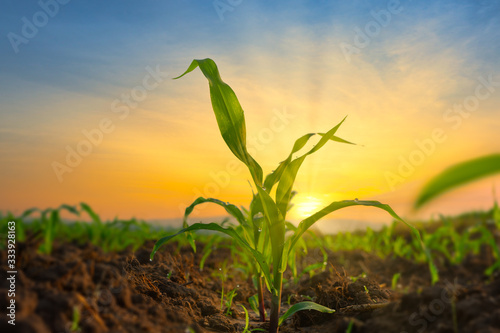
306,206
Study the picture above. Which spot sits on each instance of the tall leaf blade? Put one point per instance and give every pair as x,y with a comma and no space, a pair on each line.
458,175
229,115
276,224
285,186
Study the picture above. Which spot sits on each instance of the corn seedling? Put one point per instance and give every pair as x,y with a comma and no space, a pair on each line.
75,324
51,222
395,279
262,234
247,320
229,301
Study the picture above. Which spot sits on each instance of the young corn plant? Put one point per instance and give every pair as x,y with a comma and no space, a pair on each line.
262,233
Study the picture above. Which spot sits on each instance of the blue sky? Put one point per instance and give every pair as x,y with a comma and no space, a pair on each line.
427,57
92,39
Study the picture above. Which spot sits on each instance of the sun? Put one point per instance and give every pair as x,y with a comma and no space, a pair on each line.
306,206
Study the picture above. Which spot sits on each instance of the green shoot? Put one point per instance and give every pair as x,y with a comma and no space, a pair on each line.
229,301
247,320
75,327
254,303
395,279
262,232
350,326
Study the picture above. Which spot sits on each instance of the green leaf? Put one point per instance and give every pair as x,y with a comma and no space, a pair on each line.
247,320
275,176
91,213
304,306
71,209
229,115
457,175
27,213
228,231
276,224
337,139
308,222
230,208
287,179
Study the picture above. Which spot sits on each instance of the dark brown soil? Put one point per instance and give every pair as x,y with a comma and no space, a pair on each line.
126,292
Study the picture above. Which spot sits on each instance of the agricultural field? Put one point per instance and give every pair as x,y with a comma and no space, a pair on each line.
98,277
250,166
256,271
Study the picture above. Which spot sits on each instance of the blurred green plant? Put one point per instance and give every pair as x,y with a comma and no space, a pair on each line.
453,177
458,175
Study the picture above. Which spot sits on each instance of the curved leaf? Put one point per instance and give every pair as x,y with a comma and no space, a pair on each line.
91,213
308,222
71,209
457,175
230,208
304,306
27,213
228,231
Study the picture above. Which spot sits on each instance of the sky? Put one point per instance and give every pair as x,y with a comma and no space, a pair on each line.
90,113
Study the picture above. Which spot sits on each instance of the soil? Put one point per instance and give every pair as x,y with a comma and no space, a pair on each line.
126,292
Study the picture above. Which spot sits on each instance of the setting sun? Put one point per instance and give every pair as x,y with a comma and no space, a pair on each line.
306,205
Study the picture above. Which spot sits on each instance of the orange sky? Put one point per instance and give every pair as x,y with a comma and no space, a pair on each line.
147,145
